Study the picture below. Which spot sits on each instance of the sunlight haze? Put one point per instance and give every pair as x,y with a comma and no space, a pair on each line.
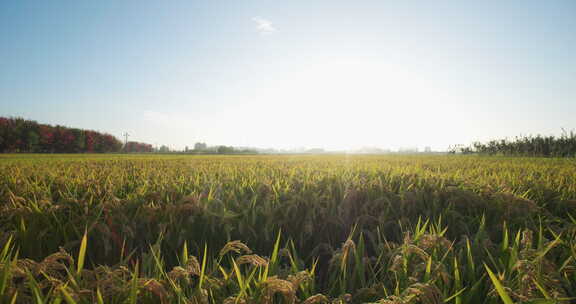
285,74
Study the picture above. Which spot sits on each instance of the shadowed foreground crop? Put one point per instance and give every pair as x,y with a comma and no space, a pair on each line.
282,229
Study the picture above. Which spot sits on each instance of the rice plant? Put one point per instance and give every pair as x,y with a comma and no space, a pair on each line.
286,229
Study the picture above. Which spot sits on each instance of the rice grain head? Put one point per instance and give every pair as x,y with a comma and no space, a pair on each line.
317,299
252,259
274,285
235,246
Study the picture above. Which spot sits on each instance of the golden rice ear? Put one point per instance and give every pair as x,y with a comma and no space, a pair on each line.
317,299
346,298
299,278
391,300
24,265
252,259
178,273
193,266
428,241
55,263
426,293
348,245
274,285
155,287
235,246
413,249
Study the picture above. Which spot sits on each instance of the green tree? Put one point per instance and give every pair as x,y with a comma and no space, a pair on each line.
32,139
224,149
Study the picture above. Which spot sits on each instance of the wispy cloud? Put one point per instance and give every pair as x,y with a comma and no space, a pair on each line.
264,26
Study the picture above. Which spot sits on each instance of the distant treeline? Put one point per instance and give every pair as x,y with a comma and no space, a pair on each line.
547,146
21,135
133,146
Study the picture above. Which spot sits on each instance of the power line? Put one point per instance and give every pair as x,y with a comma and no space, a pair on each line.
126,141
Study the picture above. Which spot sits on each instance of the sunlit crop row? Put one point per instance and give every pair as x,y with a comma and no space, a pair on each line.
286,229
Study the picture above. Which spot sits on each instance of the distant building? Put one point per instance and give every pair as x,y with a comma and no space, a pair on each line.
164,149
200,146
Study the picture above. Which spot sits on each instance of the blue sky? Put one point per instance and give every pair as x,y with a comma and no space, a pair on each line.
332,74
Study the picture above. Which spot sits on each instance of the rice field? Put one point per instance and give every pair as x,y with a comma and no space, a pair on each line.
287,229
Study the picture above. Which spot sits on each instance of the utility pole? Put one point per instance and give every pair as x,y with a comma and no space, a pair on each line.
126,141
